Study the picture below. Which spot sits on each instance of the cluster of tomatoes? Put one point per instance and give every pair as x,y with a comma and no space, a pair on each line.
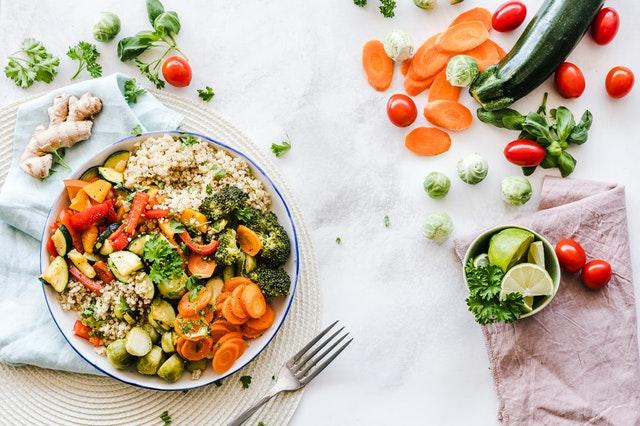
572,257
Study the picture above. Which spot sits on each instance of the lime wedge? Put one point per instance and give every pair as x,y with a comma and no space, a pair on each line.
527,279
481,260
528,304
536,254
508,246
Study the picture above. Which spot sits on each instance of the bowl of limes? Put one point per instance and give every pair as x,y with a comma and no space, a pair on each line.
511,272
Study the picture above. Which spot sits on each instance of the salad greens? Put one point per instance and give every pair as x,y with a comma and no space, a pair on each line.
132,91
31,63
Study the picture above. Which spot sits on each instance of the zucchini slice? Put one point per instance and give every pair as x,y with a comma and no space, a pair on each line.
103,237
90,174
118,275
56,274
62,240
137,245
126,262
106,248
111,175
81,263
117,161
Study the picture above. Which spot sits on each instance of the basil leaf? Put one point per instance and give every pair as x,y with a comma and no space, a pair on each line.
566,164
564,123
549,162
154,9
132,47
167,23
505,118
537,126
580,132
528,171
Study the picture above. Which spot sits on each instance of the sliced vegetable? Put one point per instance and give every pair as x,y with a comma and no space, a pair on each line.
156,213
191,303
117,354
117,161
462,36
80,202
415,87
192,217
200,266
248,240
125,262
56,274
81,263
137,207
90,174
161,315
377,65
428,60
81,330
171,369
487,54
253,301
103,272
475,14
98,189
205,249
84,280
196,350
427,141
451,115
62,240
110,229
73,186
137,245
138,342
442,90
167,342
93,214
151,362
111,175
89,238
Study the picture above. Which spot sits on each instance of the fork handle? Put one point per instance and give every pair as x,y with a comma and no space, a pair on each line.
238,421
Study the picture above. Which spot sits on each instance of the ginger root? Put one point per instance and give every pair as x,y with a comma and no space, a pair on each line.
69,123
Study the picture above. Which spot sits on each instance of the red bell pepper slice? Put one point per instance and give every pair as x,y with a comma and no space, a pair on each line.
84,280
81,330
156,213
51,248
198,248
103,272
88,217
120,241
137,207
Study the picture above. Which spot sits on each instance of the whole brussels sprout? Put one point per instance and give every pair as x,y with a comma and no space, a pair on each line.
425,4
462,70
472,169
398,46
106,27
437,226
437,185
516,190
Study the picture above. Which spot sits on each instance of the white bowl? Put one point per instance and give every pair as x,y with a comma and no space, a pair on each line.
65,319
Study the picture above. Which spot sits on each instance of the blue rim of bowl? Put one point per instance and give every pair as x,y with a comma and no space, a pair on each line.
293,288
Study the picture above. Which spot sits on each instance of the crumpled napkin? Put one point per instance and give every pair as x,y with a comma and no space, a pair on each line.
575,362
28,334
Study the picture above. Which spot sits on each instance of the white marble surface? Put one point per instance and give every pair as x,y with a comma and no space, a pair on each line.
293,67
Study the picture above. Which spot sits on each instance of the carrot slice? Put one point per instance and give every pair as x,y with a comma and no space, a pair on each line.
228,336
264,322
179,342
486,54
463,36
451,115
224,358
475,14
239,343
236,302
498,48
253,300
415,87
377,65
249,241
217,331
441,89
227,312
404,68
189,306
428,60
234,282
424,141
196,350
200,266
220,300
250,333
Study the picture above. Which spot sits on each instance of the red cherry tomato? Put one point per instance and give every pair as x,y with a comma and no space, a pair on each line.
509,16
596,274
605,25
619,82
524,153
569,80
177,71
401,110
571,255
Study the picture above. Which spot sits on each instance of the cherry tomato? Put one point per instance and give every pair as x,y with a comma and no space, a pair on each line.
619,82
524,153
571,255
596,274
605,25
401,110
509,16
569,80
177,71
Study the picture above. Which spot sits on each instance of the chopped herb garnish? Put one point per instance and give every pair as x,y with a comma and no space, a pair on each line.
246,381
338,240
166,418
206,94
282,148
132,91
136,131
261,424
188,140
218,171
176,226
209,189
387,221
218,383
165,261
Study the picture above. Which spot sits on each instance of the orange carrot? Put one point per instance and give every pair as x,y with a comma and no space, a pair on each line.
190,304
498,48
463,36
377,65
441,89
238,342
234,282
428,60
236,302
404,68
264,322
475,14
249,241
415,87
200,266
220,300
250,333
451,115
424,141
486,54
224,358
196,350
253,300
228,314
217,331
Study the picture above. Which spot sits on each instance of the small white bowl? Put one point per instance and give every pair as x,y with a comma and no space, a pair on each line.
65,319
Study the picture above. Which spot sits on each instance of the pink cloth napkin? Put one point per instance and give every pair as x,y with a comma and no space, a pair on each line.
575,362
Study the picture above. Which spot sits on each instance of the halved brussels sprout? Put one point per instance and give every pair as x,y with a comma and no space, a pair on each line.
173,288
161,314
150,363
171,369
117,354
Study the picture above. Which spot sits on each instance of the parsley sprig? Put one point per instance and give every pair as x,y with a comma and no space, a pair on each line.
165,261
87,55
282,148
206,94
246,381
132,91
31,63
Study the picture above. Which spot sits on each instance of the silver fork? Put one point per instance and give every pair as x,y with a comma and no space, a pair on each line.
301,368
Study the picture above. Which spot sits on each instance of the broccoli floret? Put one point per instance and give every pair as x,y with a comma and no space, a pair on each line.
227,252
273,282
223,202
276,246
256,220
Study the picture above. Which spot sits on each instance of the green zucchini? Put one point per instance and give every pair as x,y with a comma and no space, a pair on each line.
125,262
111,175
106,248
543,46
81,263
56,274
117,161
137,245
62,240
90,174
104,235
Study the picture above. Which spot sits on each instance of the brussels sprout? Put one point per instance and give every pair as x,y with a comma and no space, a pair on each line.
197,365
437,185
144,286
117,354
437,226
516,190
173,288
462,70
171,369
398,46
161,314
150,363
137,342
472,169
106,27
168,342
425,4
153,334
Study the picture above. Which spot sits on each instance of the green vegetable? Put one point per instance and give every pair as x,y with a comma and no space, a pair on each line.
361,3
35,64
228,252
437,226
543,46
273,282
117,354
223,203
246,381
149,363
484,295
516,190
386,221
338,240
136,131
166,418
206,94
455,1
196,365
437,185
132,91
472,169
167,342
462,70
398,46
425,4
106,27
87,55
161,315
282,148
171,369
387,8
276,245
137,342
174,288
165,262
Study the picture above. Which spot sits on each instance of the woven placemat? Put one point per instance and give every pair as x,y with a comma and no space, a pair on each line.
31,395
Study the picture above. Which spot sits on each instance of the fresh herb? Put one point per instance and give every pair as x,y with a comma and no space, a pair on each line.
87,55
386,221
166,418
159,183
136,131
484,296
261,424
208,189
193,287
166,25
246,381
89,309
35,64
273,377
361,3
218,171
282,148
387,8
132,91
206,94
165,261
58,158
218,383
338,240
176,226
555,131
187,140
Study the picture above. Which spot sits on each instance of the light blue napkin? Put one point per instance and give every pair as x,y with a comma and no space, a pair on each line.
27,332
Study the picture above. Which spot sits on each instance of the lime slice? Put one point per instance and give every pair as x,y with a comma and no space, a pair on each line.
481,260
508,246
528,304
527,279
536,254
